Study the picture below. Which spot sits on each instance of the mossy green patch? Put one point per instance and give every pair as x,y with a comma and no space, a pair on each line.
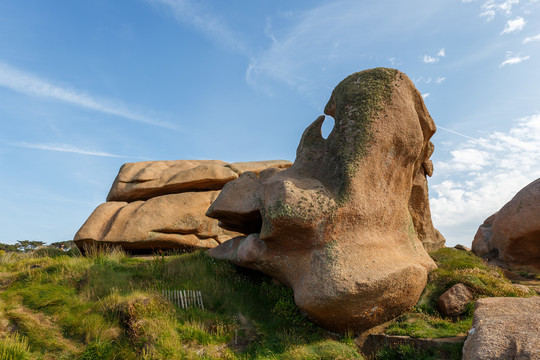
358,99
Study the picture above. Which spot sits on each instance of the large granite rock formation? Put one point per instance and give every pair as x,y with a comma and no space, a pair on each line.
511,237
161,205
344,226
504,328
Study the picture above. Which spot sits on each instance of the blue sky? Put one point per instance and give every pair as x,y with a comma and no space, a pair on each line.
86,86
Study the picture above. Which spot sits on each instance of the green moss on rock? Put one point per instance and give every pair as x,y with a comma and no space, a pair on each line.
357,100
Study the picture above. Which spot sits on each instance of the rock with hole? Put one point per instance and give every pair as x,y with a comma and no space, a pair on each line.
348,224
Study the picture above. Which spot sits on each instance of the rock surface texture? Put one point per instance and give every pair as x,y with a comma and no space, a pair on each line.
161,205
344,227
504,328
511,237
454,301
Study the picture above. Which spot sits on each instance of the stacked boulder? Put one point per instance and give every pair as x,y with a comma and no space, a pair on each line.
155,205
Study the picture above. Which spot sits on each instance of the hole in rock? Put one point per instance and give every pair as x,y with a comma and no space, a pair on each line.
245,223
327,126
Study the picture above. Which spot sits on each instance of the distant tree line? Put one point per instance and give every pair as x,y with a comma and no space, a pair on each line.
28,246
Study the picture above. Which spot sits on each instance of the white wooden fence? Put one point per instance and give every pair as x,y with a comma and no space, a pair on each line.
184,298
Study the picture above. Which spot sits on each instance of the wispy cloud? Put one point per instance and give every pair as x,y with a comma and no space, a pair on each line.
491,169
29,84
491,7
440,80
394,61
428,59
531,39
204,20
426,95
455,132
514,25
71,149
513,59
328,36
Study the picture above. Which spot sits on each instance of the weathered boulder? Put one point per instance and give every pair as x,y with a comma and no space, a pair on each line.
504,328
163,222
341,226
454,301
156,205
146,179
511,236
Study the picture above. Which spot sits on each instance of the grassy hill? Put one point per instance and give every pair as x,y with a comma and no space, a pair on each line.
108,305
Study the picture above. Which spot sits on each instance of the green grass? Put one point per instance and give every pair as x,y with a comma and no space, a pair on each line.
454,266
107,306
14,347
408,352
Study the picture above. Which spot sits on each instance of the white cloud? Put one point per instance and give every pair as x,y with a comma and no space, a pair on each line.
29,84
70,149
531,39
491,7
429,59
481,176
440,80
513,59
205,21
514,25
426,95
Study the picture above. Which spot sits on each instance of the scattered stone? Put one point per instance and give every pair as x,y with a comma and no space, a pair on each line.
345,227
161,205
462,247
504,328
511,237
454,301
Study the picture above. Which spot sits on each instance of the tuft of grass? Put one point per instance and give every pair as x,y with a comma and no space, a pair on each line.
14,347
454,266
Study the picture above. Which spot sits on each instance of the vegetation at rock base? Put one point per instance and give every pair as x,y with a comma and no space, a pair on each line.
56,304
454,266
108,306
